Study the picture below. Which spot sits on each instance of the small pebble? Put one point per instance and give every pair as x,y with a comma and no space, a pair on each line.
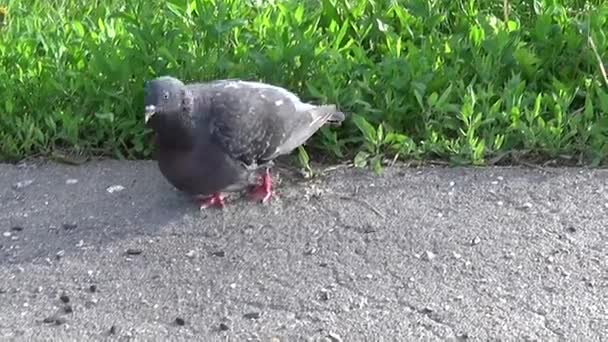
252,315
499,178
334,337
17,228
93,288
115,188
457,255
224,327
54,319
113,330
69,226
60,254
23,184
476,241
526,205
180,321
500,203
428,255
191,254
71,181
64,298
6,234
68,309
220,254
324,295
310,251
134,251
571,229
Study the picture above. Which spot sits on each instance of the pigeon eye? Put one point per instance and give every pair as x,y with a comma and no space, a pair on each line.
166,96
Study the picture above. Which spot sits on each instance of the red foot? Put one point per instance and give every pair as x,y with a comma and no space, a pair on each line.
263,192
215,200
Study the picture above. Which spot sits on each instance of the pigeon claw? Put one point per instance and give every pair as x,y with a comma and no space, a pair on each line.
263,192
216,200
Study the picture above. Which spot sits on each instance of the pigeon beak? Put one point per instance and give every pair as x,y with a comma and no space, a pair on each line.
150,110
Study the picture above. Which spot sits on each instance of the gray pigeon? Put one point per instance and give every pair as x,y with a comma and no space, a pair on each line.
214,137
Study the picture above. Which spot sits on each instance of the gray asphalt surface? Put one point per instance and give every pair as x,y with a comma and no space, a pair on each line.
426,254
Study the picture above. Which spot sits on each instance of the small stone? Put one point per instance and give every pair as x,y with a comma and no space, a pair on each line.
252,315
71,181
17,228
428,256
113,330
90,303
525,206
93,288
456,255
426,310
220,254
115,188
180,321
224,327
60,254
309,250
6,234
452,184
191,254
500,203
324,295
571,229
499,178
23,184
550,259
64,298
476,241
134,251
68,309
334,337
69,226
51,319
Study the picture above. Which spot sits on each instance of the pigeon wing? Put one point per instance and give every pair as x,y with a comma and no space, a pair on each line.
246,122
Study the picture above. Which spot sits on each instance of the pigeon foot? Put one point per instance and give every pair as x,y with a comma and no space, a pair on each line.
216,200
263,192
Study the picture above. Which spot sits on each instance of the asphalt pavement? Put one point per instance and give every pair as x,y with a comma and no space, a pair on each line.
109,251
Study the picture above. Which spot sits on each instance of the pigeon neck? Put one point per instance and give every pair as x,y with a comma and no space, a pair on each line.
174,132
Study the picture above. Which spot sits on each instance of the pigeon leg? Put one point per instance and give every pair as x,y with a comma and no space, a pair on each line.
263,191
215,200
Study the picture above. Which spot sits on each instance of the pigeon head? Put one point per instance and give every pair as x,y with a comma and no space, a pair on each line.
163,96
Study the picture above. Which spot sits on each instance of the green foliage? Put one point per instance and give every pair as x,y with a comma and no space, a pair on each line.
466,80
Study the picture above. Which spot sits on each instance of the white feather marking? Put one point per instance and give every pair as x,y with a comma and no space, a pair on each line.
291,97
232,85
278,102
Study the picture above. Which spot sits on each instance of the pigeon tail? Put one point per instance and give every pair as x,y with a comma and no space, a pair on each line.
326,113
317,117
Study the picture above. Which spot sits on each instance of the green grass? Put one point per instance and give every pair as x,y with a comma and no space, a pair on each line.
464,81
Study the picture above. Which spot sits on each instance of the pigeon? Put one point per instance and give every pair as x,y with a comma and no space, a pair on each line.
214,137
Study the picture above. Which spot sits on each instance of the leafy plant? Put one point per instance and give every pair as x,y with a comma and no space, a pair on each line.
468,80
